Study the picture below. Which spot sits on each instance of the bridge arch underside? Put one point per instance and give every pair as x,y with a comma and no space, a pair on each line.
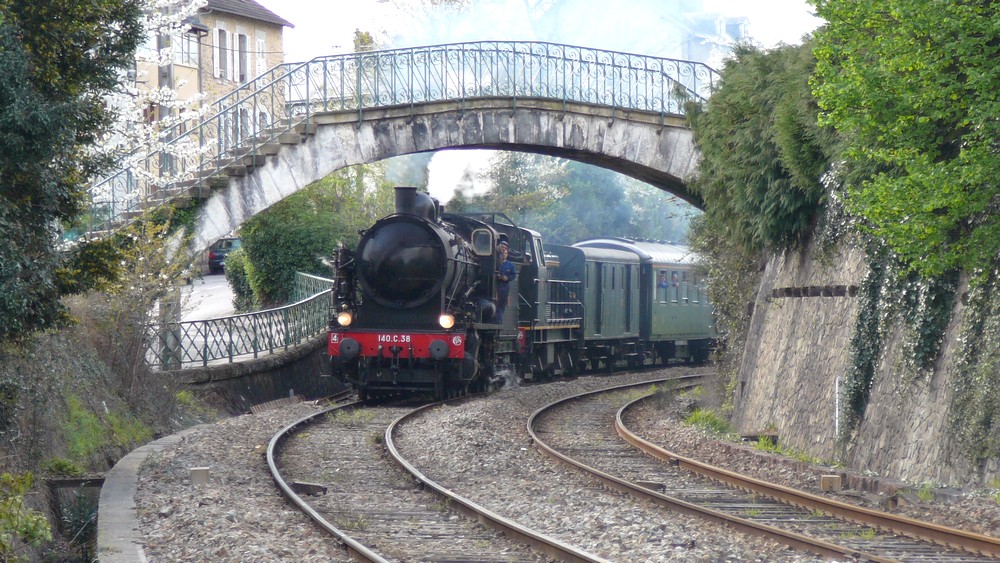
655,149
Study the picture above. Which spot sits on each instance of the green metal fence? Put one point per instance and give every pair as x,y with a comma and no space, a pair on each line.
240,126
200,343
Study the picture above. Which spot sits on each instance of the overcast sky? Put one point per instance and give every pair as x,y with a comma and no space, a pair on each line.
324,27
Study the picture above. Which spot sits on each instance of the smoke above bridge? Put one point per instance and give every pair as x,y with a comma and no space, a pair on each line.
649,27
698,30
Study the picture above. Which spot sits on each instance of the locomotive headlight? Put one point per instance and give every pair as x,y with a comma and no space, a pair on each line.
345,318
446,320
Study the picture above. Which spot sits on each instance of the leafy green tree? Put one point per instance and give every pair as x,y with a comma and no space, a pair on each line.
299,232
567,201
363,41
658,215
57,59
762,153
592,203
762,158
913,86
524,185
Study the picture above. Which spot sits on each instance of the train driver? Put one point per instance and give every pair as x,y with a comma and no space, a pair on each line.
506,275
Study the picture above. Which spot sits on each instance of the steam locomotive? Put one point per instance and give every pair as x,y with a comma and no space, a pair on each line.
414,305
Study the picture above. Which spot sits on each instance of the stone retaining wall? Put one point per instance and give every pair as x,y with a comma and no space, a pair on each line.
301,370
798,354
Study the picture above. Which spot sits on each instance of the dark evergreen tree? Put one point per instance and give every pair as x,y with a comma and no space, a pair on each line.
762,152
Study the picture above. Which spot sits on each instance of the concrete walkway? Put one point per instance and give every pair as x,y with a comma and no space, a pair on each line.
118,536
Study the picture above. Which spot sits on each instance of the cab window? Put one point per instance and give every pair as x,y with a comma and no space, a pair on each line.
482,242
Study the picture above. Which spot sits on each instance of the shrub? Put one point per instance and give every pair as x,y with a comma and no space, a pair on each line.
236,275
62,467
19,525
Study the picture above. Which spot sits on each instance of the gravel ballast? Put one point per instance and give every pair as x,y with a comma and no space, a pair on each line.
480,449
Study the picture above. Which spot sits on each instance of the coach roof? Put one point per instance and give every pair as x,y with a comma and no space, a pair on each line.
647,251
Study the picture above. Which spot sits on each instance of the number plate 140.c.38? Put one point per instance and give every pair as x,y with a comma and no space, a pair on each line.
417,343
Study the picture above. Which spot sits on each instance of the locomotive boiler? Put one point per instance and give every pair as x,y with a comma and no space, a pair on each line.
412,301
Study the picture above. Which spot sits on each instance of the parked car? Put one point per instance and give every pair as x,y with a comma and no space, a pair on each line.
218,251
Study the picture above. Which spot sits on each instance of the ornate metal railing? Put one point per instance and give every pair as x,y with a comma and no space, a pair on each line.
257,113
187,344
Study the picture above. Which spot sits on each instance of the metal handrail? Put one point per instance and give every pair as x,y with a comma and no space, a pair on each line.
307,285
289,95
564,304
200,343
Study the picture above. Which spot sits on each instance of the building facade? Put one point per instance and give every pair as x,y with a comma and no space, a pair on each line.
226,44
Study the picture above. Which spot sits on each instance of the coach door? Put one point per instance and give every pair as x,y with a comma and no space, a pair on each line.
598,296
627,288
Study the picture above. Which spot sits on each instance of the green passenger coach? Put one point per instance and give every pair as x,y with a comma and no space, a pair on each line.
668,307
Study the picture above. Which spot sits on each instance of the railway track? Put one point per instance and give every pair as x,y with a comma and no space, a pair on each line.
497,468
584,430
375,509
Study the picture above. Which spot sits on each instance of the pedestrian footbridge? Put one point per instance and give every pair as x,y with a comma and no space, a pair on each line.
299,122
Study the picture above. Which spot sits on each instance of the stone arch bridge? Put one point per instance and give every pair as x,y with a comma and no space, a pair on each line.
299,122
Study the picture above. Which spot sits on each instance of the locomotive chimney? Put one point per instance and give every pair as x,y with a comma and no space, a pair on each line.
406,198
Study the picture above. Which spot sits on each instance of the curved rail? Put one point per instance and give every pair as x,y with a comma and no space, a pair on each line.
926,531
354,548
541,542
246,124
792,539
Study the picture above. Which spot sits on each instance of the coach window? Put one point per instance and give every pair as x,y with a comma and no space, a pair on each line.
482,242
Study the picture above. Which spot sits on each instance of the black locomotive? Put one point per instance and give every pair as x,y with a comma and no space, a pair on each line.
414,306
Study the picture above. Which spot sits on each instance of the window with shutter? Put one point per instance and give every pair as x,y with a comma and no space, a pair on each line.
244,58
216,55
261,54
225,66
